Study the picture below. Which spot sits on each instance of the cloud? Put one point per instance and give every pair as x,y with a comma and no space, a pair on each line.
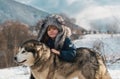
70,7
71,1
96,13
84,11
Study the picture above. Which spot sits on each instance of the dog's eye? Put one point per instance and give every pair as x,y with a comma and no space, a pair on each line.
23,51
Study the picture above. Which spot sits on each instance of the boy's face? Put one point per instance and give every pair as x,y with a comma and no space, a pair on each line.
52,32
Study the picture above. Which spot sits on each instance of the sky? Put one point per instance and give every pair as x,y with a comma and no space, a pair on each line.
84,11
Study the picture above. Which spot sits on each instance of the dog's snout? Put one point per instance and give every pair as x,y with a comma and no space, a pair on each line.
15,58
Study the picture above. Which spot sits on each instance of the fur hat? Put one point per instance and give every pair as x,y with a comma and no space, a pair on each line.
57,21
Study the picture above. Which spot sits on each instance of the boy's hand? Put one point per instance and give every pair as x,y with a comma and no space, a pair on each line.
55,51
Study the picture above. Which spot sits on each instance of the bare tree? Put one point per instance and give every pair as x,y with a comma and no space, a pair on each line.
13,34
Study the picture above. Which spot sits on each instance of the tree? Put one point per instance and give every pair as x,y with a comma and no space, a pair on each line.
13,34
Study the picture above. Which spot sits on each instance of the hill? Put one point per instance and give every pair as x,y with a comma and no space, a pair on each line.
12,10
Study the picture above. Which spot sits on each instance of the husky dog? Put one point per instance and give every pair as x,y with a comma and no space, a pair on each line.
88,64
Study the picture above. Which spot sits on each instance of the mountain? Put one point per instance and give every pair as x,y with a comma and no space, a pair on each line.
12,10
15,11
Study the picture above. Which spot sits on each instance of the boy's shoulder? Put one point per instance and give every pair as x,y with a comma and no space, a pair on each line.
67,40
68,43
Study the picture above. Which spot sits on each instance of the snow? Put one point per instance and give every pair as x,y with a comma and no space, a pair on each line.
108,42
19,72
114,70
115,74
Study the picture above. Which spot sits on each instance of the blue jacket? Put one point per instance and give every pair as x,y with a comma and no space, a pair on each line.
67,52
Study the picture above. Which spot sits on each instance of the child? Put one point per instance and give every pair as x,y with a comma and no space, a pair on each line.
55,35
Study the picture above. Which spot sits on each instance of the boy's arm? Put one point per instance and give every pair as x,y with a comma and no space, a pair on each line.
69,50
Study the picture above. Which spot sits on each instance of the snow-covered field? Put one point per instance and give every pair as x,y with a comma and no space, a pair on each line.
109,45
21,72
15,73
114,70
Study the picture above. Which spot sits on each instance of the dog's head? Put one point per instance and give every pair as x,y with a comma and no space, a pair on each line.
30,51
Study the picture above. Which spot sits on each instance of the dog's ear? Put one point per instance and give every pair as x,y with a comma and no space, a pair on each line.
41,46
44,52
38,47
44,47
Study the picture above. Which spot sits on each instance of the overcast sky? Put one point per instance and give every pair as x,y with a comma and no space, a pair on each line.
83,10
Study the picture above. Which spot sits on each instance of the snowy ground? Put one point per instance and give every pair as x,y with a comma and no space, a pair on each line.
114,70
15,73
109,45
23,72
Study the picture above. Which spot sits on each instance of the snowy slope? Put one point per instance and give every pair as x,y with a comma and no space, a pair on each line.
107,44
12,10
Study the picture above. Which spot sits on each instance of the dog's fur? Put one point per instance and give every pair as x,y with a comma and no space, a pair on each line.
88,64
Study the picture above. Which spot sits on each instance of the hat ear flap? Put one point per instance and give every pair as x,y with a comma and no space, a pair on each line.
68,31
38,48
42,32
44,47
